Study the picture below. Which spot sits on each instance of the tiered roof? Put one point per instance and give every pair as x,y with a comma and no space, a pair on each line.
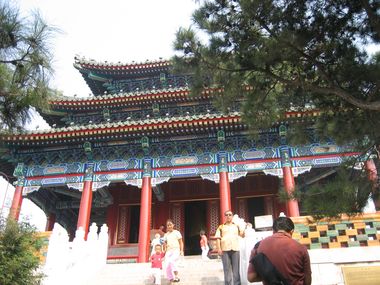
153,125
96,73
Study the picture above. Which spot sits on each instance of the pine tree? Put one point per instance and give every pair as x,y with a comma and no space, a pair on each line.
304,56
25,65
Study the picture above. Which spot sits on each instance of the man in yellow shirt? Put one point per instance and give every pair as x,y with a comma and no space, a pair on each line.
227,240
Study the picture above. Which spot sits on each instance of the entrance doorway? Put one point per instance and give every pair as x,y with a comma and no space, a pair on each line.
134,224
195,221
255,208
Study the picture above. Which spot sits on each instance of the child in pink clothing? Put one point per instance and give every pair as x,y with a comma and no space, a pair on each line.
156,259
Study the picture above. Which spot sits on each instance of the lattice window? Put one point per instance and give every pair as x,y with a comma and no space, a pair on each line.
242,209
177,216
213,213
122,225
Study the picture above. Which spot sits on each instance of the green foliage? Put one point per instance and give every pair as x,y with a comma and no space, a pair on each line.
346,193
18,253
25,65
295,56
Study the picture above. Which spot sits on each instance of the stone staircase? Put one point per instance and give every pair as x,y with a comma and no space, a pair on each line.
192,271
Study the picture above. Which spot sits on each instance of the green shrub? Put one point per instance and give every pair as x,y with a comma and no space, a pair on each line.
19,247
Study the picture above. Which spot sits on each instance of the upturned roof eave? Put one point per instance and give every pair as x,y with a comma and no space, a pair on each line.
154,125
90,64
134,98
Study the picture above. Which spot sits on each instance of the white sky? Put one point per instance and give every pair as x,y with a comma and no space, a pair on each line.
112,30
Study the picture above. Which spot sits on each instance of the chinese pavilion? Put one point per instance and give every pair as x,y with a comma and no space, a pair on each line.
141,150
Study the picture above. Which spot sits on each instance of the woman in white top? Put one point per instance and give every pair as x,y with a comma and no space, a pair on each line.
174,249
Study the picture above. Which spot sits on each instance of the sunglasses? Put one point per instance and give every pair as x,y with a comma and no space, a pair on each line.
228,215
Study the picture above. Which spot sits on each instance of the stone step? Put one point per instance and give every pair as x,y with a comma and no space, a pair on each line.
192,271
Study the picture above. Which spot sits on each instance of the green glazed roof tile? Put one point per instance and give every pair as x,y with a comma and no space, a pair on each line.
362,237
315,245
353,243
332,233
341,226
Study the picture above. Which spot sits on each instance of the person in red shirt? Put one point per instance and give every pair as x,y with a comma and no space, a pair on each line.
288,256
204,245
156,259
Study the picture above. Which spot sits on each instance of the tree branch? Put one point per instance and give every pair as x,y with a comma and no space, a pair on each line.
301,52
373,18
334,90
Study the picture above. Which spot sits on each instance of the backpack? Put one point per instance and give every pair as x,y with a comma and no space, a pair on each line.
266,270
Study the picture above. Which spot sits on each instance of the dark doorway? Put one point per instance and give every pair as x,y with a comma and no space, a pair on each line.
255,208
195,220
135,224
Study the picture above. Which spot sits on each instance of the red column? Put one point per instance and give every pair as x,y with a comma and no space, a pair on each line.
85,207
224,193
14,212
50,221
145,217
289,185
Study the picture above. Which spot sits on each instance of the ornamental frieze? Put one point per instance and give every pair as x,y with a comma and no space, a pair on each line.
117,176
184,160
236,175
279,172
180,172
134,182
256,166
53,181
260,154
63,168
95,186
231,176
76,186
300,170
159,180
318,162
55,170
211,177
118,164
185,171
319,149
193,159
266,153
29,189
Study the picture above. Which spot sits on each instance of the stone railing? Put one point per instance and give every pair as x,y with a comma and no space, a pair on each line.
74,262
